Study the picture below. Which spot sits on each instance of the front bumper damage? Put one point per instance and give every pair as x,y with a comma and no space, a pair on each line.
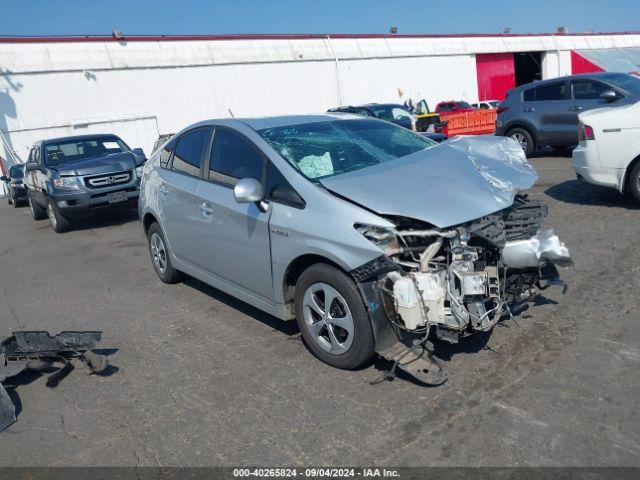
39,350
445,284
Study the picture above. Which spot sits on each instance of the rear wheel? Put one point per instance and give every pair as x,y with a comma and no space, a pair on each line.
160,255
14,202
524,138
332,317
58,222
37,212
634,182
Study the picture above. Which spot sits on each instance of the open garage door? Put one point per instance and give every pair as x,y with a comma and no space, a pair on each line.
528,67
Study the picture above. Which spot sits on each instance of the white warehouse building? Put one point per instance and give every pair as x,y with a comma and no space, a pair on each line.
140,87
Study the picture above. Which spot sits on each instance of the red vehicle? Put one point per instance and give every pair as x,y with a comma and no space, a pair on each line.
453,106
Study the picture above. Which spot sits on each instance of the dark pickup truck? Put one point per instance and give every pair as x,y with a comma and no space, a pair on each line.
71,177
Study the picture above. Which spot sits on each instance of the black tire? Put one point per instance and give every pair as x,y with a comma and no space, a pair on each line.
633,183
37,212
14,202
59,223
10,200
167,274
361,349
524,138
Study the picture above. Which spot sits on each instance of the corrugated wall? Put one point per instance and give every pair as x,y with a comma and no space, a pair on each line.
129,86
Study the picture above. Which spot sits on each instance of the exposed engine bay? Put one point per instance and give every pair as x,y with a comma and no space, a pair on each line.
466,278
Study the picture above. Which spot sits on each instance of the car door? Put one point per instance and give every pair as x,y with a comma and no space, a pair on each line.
585,95
234,237
180,180
550,112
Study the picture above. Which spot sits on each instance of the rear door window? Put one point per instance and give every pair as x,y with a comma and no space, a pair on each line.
555,91
187,156
233,158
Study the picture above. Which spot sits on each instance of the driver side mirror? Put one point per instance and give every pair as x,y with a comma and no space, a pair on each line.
138,152
248,190
4,178
31,167
609,95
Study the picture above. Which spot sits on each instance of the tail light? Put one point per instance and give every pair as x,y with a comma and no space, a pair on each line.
585,132
499,110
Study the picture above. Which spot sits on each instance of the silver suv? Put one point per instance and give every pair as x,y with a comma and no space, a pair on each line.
371,236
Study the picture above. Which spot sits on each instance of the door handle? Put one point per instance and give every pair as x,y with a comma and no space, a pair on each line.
163,189
530,109
205,208
576,108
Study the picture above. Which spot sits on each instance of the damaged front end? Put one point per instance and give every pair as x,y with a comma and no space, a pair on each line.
457,280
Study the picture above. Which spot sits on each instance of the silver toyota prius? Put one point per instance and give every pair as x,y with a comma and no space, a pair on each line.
372,237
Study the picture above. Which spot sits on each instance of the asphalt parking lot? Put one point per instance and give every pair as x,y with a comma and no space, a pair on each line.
203,379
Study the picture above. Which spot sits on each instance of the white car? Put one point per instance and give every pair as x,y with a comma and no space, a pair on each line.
486,104
608,153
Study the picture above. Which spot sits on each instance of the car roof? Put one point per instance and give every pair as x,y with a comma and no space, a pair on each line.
259,123
593,75
79,137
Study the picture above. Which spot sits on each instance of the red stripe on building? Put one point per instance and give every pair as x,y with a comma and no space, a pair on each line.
579,64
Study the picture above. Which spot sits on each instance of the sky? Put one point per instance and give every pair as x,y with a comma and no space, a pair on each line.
79,17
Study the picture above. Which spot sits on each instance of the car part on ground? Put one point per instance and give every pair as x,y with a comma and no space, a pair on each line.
609,150
374,238
545,114
73,177
39,350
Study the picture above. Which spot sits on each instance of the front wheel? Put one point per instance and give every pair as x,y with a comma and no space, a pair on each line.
37,212
634,182
524,138
58,222
332,318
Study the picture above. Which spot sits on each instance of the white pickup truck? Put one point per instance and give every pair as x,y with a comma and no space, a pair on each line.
608,153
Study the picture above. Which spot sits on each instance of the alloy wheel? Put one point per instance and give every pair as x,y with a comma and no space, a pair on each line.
521,139
158,252
328,318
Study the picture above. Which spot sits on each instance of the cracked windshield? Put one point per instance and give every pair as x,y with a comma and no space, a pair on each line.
326,149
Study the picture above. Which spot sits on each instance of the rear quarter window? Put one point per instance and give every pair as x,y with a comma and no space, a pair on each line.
555,91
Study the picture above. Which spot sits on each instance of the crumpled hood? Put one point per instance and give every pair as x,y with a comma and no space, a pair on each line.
455,182
113,162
